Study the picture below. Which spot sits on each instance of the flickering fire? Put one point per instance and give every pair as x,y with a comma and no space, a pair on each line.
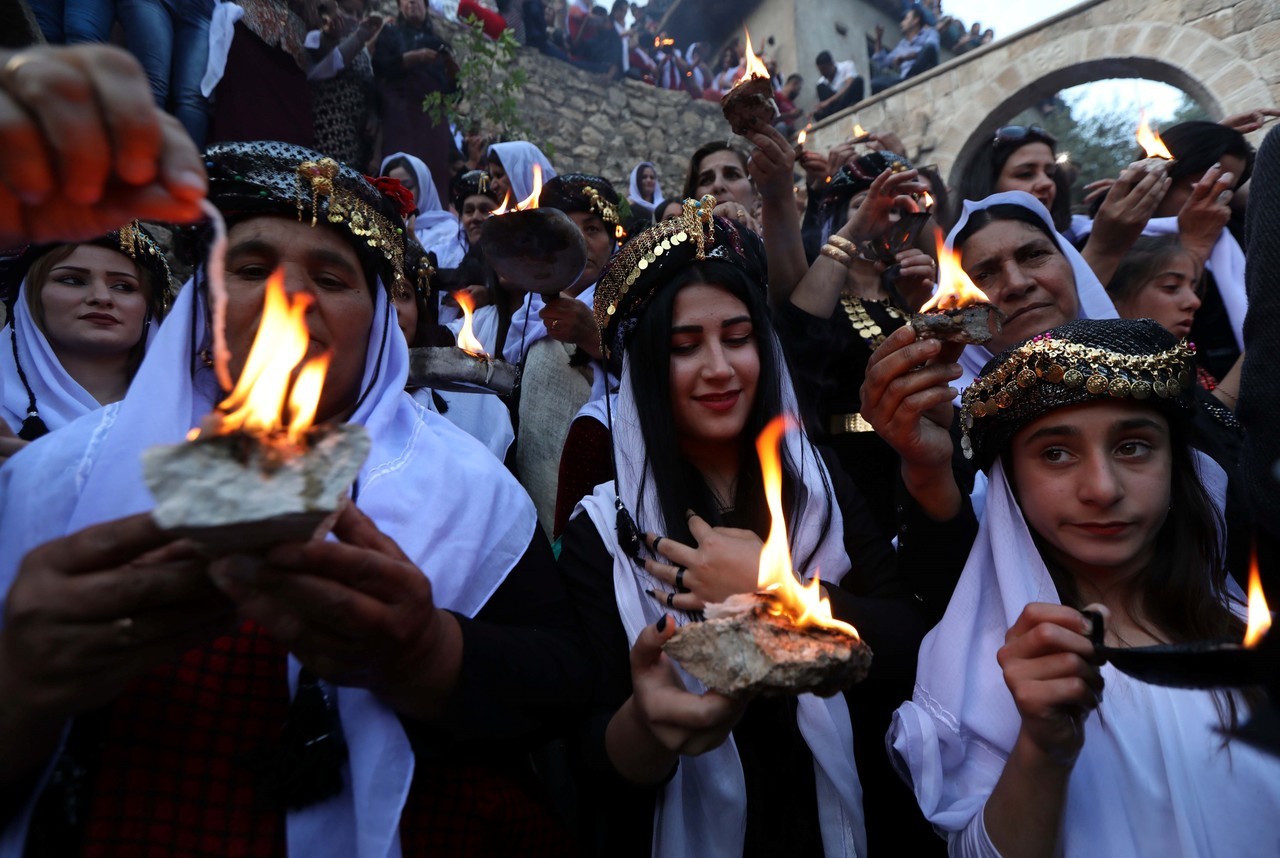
803,604
955,289
660,42
1150,140
502,209
753,66
802,136
926,201
529,202
467,340
257,405
619,233
858,131
1259,613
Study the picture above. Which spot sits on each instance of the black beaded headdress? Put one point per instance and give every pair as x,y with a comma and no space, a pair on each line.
269,177
650,259
132,239
856,176
472,183
580,192
1081,361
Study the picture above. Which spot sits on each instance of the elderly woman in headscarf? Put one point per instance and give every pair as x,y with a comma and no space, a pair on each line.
80,317
435,228
666,768
386,681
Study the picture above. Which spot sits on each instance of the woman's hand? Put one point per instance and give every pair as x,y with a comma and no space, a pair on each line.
1247,123
1206,212
92,611
570,321
83,148
1130,202
889,190
739,213
419,56
771,163
662,720
725,561
355,611
906,395
1051,669
480,296
816,169
915,277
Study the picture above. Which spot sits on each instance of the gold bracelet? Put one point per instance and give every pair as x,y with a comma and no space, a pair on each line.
832,252
841,243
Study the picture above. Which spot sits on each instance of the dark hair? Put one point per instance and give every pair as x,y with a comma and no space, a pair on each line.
661,207
1196,146
824,59
403,163
1173,591
1145,259
678,483
979,181
980,220
695,164
794,76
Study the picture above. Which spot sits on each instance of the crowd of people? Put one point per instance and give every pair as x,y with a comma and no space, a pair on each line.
470,660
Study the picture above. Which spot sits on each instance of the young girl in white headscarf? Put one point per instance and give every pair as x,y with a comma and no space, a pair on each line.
435,228
1018,739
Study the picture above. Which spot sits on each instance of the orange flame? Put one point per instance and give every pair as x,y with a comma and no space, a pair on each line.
753,66
955,289
858,131
926,200
1150,140
803,604
802,136
1259,614
619,233
466,336
502,209
257,404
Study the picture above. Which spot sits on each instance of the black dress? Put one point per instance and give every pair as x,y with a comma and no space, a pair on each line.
876,596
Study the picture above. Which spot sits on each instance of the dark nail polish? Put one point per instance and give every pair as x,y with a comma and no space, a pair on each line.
662,623
648,592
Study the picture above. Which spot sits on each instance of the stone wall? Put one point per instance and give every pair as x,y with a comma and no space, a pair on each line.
588,125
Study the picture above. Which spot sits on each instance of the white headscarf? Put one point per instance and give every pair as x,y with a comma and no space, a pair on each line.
1093,298
91,472
1158,747
518,158
435,228
60,399
706,802
634,193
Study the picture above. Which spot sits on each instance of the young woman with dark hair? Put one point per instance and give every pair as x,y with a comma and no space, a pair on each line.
665,769
1096,500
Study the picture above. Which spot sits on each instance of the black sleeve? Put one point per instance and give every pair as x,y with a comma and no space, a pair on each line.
524,667
872,564
388,54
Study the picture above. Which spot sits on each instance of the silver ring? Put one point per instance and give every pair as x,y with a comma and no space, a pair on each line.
680,577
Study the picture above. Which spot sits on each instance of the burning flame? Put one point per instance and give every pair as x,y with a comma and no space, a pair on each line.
619,233
753,67
926,200
802,136
257,404
804,604
858,131
466,337
1150,140
1259,614
955,289
529,202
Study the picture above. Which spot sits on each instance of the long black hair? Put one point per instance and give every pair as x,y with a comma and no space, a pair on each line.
678,483
979,181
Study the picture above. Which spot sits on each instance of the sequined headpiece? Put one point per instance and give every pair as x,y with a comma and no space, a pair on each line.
1081,361
580,192
283,179
856,176
419,267
132,240
652,258
470,184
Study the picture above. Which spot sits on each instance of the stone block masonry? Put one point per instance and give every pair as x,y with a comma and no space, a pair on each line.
588,125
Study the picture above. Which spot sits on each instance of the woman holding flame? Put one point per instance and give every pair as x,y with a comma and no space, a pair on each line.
668,770
162,678
1019,740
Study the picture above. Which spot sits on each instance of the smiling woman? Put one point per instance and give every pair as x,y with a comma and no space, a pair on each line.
80,316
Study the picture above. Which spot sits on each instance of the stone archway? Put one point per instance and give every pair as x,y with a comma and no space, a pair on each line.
1225,62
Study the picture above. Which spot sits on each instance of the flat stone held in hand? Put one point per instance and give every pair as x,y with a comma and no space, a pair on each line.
976,323
235,493
744,650
451,368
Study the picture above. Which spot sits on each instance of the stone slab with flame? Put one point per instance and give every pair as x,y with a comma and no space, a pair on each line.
781,639
750,105
465,368
246,479
959,311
